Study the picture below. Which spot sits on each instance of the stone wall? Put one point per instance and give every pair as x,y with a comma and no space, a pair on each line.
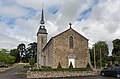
58,50
62,50
53,74
48,54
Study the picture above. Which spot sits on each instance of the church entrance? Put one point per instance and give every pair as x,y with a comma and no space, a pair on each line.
71,59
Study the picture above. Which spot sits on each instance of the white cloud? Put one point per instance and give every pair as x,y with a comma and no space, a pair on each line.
37,4
103,22
12,11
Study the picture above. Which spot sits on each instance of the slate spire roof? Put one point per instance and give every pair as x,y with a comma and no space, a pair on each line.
42,29
42,17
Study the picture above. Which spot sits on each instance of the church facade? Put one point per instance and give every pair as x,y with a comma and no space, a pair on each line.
64,48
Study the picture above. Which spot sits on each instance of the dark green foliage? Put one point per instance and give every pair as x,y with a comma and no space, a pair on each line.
114,58
59,66
64,69
21,48
31,51
97,47
71,66
116,47
32,61
24,54
27,66
15,53
6,58
88,66
46,67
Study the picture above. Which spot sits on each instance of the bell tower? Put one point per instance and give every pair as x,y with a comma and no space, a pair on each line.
41,40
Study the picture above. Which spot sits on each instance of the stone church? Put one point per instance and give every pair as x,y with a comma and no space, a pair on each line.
64,48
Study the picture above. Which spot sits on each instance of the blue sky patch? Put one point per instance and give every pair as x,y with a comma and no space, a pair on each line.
7,2
30,13
6,20
53,9
86,13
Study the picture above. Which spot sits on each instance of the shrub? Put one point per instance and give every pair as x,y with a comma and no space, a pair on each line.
59,66
71,66
46,68
32,61
27,66
88,66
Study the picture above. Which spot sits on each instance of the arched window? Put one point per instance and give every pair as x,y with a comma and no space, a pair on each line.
71,43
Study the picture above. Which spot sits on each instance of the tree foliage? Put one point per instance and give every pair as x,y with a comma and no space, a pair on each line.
15,53
21,48
100,46
5,57
31,51
9,59
32,61
116,47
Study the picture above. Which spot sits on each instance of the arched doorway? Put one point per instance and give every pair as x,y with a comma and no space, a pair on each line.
71,59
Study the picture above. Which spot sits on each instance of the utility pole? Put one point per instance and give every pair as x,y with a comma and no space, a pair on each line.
94,59
100,60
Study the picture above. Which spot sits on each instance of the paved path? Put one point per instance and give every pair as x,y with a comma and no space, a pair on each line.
14,76
11,74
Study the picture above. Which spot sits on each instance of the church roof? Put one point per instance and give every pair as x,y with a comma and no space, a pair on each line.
42,30
49,42
74,31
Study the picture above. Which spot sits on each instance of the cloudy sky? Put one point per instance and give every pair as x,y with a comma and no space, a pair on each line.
95,19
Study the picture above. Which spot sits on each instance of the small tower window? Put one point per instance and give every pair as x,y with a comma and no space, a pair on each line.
71,44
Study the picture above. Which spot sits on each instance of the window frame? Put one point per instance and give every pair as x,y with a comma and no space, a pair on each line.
71,42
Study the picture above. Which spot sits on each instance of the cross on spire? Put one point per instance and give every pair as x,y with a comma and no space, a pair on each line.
70,24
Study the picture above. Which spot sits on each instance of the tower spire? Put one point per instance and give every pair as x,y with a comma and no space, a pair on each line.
42,29
42,17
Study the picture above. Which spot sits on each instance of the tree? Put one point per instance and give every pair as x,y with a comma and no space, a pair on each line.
32,51
15,53
9,59
99,46
21,49
5,57
116,47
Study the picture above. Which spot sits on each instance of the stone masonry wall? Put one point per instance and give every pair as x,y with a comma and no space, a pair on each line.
48,55
61,49
53,74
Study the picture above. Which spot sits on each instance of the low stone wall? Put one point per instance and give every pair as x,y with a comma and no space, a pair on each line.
51,74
